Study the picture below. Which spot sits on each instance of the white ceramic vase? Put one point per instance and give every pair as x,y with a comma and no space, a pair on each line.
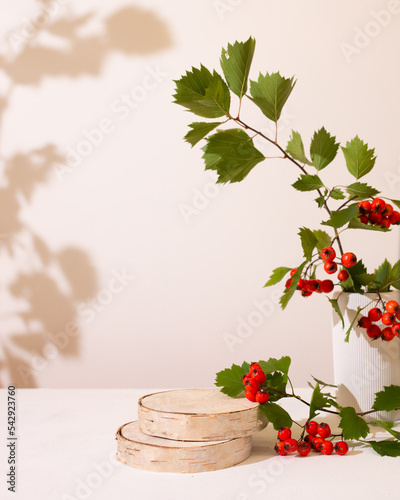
363,366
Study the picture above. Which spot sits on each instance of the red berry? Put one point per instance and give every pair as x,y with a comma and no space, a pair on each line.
375,218
306,293
349,259
290,445
262,396
288,283
392,306
378,205
324,430
246,377
341,447
364,207
387,334
374,332
396,329
301,284
395,218
330,267
293,271
252,385
364,322
303,448
398,314
326,447
254,366
312,285
317,443
251,396
388,318
318,290
385,222
284,433
364,219
309,439
280,448
258,375
388,210
328,254
375,314
343,275
312,427
326,286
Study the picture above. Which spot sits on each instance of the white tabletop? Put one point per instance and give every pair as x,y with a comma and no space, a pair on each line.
66,451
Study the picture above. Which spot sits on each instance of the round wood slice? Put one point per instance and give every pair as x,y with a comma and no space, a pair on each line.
165,455
198,415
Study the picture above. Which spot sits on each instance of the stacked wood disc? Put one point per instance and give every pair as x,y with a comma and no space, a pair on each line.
190,430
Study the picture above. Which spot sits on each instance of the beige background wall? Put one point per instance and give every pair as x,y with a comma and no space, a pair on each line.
125,265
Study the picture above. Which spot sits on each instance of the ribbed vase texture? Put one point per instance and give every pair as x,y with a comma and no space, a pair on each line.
363,366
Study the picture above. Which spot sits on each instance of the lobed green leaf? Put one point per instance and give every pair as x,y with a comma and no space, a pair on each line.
323,149
388,399
203,93
270,93
199,131
232,154
307,182
359,159
231,379
277,275
295,148
235,63
353,426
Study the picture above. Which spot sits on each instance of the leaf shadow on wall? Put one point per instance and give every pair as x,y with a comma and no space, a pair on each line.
45,286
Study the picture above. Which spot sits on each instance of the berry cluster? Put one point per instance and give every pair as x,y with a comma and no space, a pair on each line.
253,382
390,318
378,213
316,439
328,255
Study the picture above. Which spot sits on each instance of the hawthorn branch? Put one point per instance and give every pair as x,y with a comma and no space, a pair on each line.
295,162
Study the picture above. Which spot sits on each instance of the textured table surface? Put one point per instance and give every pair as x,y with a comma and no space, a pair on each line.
66,451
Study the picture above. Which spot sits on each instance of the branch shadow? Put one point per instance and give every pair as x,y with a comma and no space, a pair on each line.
47,286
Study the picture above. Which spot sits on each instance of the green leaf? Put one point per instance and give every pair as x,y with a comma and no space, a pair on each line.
386,448
341,217
203,93
395,275
277,275
307,182
278,381
276,415
388,426
359,276
357,224
270,93
318,402
359,159
231,379
199,131
323,149
335,305
295,148
288,293
273,365
324,384
353,426
235,63
232,154
337,194
308,242
388,399
383,276
396,202
323,239
361,190
347,334
320,201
